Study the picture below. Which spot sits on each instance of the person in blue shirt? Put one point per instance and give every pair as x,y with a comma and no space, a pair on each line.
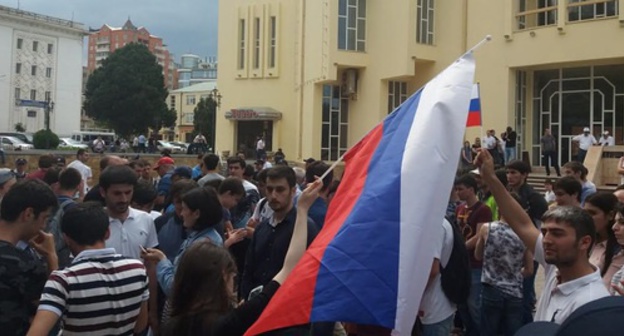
318,210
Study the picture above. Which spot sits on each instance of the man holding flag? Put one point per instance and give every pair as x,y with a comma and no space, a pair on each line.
366,265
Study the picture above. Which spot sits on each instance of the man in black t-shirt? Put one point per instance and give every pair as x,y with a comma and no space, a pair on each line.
510,144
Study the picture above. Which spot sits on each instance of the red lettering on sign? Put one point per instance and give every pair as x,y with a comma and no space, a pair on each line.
244,114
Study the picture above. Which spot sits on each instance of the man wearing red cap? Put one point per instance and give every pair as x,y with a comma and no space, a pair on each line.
164,167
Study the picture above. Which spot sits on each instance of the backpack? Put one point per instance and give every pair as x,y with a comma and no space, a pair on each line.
456,276
54,227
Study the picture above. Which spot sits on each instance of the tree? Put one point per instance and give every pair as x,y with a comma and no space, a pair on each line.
19,127
127,92
204,118
45,139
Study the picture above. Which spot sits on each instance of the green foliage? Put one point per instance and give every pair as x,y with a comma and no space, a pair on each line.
45,139
203,118
19,127
127,92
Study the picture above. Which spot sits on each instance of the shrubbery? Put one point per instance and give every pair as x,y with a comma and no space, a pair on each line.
45,139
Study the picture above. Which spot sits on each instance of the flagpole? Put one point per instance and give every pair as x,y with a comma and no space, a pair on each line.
485,40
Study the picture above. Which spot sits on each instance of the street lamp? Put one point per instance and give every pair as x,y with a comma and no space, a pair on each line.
49,107
215,95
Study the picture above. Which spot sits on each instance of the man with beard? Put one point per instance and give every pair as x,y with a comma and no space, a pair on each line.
131,230
24,211
267,250
567,235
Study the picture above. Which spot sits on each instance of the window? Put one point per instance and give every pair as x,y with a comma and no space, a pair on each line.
35,46
50,48
32,114
20,43
241,43
424,21
190,100
335,123
188,118
256,51
18,93
49,72
535,13
33,70
33,94
48,96
272,41
352,25
18,68
595,10
397,94
172,102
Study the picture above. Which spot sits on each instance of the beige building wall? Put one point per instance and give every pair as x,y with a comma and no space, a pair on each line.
308,57
184,102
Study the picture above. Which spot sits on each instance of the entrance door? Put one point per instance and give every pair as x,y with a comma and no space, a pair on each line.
248,133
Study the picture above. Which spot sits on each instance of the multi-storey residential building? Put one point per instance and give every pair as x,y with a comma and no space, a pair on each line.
40,67
194,70
107,39
313,77
184,101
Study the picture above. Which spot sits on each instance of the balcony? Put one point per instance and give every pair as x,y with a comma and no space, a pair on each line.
533,14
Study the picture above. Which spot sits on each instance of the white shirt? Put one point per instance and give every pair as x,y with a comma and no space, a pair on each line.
435,306
267,165
128,237
608,141
558,301
260,144
489,142
549,196
585,141
84,170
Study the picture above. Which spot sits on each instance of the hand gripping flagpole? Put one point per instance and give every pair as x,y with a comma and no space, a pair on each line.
485,40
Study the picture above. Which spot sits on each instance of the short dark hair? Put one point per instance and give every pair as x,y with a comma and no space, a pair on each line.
501,174
117,175
577,218
74,219
620,187
318,168
577,167
232,184
180,187
144,193
80,151
282,172
207,202
211,161
235,159
46,161
30,193
134,163
248,171
69,179
519,165
548,181
468,181
570,186
104,162
51,176
262,175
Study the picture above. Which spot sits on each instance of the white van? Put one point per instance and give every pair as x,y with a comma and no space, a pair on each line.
87,137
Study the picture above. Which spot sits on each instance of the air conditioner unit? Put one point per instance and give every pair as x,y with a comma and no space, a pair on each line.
349,82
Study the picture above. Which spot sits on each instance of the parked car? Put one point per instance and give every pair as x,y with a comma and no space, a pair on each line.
162,145
182,145
88,137
25,137
13,143
68,143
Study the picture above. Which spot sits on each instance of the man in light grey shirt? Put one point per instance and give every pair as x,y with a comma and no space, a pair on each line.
210,169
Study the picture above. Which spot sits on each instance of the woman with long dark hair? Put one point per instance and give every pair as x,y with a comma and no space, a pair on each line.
203,295
606,252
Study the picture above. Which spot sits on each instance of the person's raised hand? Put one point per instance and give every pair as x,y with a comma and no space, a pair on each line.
43,243
484,162
152,255
309,195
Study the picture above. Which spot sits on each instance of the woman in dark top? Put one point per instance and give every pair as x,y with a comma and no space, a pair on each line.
203,297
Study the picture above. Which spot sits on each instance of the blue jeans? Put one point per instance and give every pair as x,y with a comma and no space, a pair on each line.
580,157
510,154
442,328
471,311
499,310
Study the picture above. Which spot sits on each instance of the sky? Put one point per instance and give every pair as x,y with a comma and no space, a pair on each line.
186,26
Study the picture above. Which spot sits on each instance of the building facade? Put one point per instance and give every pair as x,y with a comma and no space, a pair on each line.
194,70
314,77
184,101
107,39
40,67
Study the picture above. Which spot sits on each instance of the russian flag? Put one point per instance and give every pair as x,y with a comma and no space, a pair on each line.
370,263
474,114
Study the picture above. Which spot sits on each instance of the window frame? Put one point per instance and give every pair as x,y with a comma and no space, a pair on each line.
242,47
352,25
333,105
425,22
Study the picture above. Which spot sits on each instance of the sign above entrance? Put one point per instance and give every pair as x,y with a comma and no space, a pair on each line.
253,113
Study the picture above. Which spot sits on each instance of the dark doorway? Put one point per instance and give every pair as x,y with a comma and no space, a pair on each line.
249,131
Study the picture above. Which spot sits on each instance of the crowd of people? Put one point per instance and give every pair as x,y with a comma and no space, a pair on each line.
163,249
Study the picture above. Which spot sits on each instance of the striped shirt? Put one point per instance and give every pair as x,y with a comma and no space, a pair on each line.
99,294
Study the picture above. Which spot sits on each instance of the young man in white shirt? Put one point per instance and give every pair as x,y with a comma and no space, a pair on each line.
585,141
80,164
567,235
606,139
